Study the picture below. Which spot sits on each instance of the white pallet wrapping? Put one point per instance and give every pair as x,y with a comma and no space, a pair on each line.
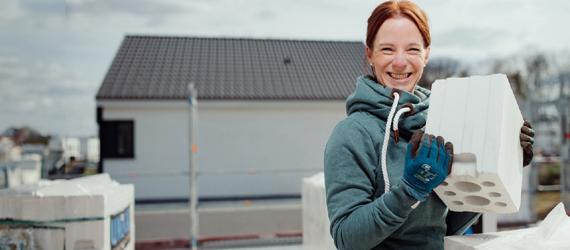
480,116
315,217
83,207
551,233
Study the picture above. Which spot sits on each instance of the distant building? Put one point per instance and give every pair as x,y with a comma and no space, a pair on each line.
266,109
71,148
8,150
90,149
19,146
84,150
19,164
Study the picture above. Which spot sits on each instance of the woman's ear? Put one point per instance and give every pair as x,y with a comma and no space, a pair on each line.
368,52
426,58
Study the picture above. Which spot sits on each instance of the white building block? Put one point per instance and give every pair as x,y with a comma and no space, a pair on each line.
315,216
480,116
31,169
95,211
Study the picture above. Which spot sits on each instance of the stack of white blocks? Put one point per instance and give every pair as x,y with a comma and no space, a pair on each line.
84,207
480,116
22,172
315,217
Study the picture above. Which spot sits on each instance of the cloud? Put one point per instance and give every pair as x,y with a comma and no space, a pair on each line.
473,43
46,96
43,7
10,10
40,78
49,14
54,54
472,37
103,7
153,11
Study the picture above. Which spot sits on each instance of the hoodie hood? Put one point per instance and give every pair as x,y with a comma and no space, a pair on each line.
377,99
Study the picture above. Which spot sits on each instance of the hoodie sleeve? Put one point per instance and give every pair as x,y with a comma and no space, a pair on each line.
358,220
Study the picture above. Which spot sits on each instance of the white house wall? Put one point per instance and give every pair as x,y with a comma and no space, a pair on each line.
244,148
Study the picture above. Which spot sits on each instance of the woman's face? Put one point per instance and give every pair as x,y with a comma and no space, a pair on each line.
398,55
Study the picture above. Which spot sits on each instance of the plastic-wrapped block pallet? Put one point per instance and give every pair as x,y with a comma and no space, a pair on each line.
94,212
480,116
315,217
551,233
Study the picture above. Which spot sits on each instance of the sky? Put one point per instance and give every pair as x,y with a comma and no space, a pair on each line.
54,54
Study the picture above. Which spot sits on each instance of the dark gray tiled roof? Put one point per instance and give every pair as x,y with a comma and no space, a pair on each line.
157,67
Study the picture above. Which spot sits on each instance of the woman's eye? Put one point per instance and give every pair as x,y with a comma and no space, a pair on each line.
414,50
385,50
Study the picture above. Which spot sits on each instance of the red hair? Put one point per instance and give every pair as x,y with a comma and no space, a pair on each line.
396,8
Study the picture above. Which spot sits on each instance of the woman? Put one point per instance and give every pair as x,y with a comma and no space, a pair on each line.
379,186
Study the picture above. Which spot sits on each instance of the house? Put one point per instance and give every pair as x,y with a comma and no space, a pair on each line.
265,111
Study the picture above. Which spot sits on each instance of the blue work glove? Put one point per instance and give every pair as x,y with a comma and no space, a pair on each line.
527,140
428,161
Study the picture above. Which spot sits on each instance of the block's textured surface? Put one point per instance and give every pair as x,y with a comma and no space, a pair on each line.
480,116
94,212
315,217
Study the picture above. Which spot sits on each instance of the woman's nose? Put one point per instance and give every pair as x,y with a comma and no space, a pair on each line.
399,61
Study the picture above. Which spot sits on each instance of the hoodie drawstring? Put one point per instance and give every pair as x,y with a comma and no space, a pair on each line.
387,137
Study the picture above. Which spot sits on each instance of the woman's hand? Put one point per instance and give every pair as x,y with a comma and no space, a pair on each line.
428,161
527,140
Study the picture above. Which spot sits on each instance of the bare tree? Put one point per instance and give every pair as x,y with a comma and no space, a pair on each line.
441,68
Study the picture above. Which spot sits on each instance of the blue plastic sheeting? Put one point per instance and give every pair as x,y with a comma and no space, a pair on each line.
120,226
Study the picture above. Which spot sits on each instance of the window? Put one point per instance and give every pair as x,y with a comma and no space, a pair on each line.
117,139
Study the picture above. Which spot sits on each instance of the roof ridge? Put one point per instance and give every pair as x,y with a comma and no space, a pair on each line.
168,36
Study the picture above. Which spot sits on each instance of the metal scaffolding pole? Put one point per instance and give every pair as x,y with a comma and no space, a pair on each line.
565,153
192,180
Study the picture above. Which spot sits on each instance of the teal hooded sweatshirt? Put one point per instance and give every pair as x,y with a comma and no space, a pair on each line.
362,216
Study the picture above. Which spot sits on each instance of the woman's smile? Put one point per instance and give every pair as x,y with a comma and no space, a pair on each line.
399,76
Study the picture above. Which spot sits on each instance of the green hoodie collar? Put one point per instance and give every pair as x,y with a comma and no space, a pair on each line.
376,99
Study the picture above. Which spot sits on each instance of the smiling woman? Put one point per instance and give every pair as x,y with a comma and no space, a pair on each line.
390,205
378,178
398,55
397,44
